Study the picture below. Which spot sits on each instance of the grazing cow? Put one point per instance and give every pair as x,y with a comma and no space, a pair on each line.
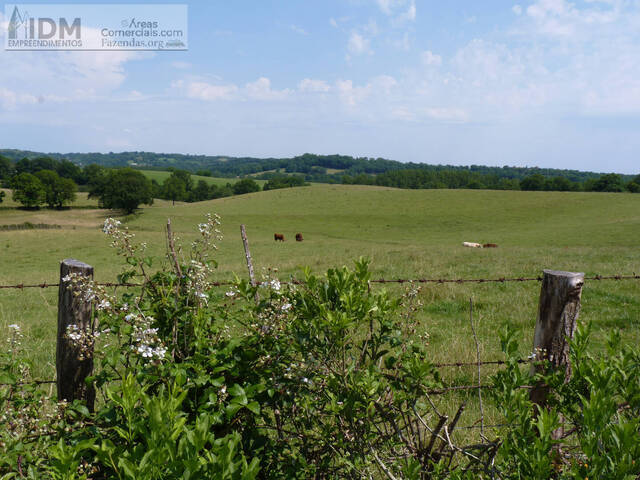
299,237
472,244
489,245
278,236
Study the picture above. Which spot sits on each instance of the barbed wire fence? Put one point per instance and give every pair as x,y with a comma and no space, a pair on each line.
443,390
619,277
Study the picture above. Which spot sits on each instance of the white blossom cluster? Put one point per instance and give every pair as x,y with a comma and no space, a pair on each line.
15,336
121,238
145,341
83,339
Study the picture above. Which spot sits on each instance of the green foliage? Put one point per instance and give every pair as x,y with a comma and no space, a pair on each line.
58,191
2,194
28,190
7,169
600,404
174,188
323,380
123,189
284,182
246,185
608,183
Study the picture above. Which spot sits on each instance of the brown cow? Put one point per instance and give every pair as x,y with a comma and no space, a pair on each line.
299,237
489,245
278,236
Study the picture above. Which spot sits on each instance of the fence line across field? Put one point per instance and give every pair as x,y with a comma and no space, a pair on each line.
558,309
21,286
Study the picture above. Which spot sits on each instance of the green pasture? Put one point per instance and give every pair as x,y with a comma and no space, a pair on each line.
160,176
405,233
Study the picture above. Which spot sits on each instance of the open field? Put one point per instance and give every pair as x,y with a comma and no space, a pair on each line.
406,234
160,176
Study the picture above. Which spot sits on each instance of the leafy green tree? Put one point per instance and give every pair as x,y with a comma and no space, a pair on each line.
633,187
611,182
58,191
201,191
533,182
174,188
1,196
123,189
6,168
28,190
246,185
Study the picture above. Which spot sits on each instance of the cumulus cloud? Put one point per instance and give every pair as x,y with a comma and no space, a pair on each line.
261,90
358,44
311,85
403,10
351,94
431,59
202,90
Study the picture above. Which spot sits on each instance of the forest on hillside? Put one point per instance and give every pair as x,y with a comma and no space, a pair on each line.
340,169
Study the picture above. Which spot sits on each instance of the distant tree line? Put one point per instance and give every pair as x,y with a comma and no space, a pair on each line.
314,168
179,186
44,180
455,179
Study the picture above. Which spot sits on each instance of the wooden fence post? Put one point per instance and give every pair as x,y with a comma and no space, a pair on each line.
73,310
247,254
558,311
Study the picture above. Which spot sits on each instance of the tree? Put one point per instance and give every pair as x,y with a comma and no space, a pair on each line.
174,188
611,182
124,189
6,168
533,182
1,196
28,190
58,190
246,185
633,187
201,192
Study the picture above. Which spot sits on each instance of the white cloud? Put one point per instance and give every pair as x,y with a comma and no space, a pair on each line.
311,85
517,9
10,99
358,44
431,59
206,91
400,11
261,90
352,95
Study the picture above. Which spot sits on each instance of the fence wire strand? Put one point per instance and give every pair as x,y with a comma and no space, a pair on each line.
21,286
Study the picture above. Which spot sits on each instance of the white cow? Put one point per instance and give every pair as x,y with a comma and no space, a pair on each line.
472,244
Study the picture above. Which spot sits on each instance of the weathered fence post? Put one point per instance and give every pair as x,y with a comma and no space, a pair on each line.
73,310
557,314
247,254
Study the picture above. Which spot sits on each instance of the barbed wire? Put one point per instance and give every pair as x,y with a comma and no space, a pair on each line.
634,276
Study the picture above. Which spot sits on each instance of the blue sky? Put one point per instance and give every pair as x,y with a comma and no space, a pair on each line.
548,83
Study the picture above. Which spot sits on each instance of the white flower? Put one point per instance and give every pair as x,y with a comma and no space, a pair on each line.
104,304
66,278
15,327
129,317
286,307
230,293
275,284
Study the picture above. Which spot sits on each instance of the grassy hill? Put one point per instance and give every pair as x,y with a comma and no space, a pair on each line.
406,233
